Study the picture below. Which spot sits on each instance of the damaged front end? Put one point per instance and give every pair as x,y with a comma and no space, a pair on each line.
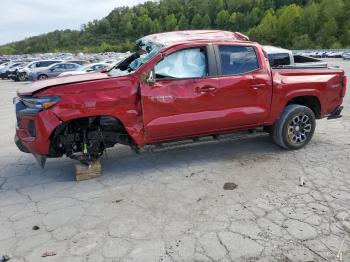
42,133
34,123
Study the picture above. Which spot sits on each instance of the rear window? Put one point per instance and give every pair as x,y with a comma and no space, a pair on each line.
237,59
279,59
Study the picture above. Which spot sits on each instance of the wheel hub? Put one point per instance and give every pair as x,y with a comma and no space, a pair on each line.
299,129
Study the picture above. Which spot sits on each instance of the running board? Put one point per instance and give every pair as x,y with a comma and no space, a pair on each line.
204,140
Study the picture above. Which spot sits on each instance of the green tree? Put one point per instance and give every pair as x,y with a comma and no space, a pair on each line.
327,35
286,23
170,23
183,23
196,22
206,23
222,20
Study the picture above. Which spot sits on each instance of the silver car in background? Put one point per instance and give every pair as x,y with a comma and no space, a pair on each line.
53,71
346,55
87,68
22,73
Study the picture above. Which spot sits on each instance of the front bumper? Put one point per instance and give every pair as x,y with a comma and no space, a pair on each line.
20,146
34,128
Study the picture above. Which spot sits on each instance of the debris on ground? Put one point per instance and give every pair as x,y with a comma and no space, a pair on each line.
230,186
5,258
117,200
339,256
194,173
36,228
301,181
49,254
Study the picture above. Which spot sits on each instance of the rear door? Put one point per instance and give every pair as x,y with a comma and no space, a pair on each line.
245,85
70,67
56,70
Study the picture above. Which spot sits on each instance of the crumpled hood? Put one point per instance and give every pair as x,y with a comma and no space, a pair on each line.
43,84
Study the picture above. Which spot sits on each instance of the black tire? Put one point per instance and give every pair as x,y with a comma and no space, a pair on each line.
42,77
21,77
295,127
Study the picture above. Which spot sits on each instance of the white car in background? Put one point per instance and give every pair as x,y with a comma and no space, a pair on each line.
346,55
280,57
86,69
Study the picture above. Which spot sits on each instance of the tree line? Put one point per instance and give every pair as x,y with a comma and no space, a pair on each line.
295,24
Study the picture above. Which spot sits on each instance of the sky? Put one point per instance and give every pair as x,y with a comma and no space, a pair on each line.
23,18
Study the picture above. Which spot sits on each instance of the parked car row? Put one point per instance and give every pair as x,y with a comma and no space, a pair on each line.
38,70
40,66
324,54
24,68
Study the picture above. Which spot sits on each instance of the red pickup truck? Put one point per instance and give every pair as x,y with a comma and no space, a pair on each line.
179,85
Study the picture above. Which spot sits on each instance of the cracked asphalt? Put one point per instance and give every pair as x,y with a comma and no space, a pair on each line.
170,205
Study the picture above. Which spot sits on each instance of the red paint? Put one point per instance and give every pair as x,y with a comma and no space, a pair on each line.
176,109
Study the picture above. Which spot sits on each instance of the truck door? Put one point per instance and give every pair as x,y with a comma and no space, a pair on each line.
245,85
179,102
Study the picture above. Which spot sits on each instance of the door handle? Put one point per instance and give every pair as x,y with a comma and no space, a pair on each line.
257,86
206,89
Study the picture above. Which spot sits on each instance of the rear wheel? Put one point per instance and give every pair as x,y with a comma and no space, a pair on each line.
295,128
41,77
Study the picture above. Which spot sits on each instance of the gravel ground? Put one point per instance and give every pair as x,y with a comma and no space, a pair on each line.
171,205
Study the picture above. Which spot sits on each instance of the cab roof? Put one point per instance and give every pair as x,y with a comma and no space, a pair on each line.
178,37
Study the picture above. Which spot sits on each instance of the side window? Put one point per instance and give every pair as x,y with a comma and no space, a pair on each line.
279,59
59,66
237,59
70,66
187,63
45,63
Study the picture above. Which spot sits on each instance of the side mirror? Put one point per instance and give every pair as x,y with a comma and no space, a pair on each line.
52,69
151,79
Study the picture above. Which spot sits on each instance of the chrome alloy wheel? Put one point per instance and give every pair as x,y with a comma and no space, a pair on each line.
299,129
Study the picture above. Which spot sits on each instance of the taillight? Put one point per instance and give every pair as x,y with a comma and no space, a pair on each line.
343,88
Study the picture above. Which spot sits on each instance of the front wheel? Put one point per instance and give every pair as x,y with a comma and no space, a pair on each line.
295,127
21,76
42,77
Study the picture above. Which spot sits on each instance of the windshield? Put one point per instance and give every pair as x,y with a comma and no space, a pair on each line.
85,67
134,61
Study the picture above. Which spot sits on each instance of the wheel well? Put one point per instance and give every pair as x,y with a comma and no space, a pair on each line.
311,102
41,75
99,132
